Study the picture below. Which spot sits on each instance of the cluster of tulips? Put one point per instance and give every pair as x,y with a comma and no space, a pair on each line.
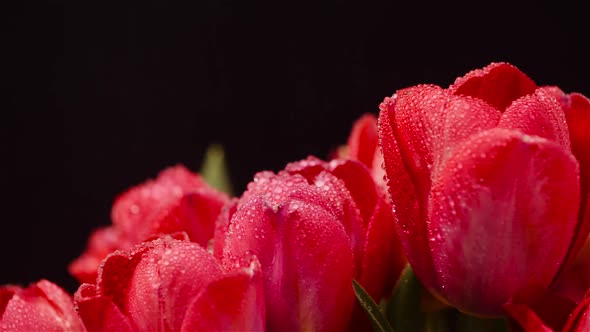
457,209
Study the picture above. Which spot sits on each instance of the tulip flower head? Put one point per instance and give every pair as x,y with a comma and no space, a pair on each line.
488,178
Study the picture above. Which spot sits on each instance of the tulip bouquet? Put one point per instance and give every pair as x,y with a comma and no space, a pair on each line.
457,209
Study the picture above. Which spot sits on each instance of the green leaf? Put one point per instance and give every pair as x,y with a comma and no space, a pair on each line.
405,308
214,169
371,308
412,308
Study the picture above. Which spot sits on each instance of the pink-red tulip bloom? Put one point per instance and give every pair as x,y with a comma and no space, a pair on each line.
489,180
170,284
42,306
314,227
177,200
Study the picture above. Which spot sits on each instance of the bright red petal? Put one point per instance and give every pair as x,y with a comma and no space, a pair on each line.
307,181
233,303
40,307
504,203
550,310
222,226
416,120
154,282
461,117
195,213
580,319
276,190
538,114
363,140
498,84
356,178
360,185
383,259
306,260
99,313
409,223
526,318
134,211
165,281
428,123
578,118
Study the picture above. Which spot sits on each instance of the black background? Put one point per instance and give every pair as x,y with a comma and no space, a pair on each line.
101,96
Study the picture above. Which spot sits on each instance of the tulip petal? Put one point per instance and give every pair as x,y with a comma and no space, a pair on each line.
360,185
580,318
99,313
306,260
42,306
356,178
195,213
222,226
154,282
526,318
409,225
577,111
462,117
416,122
537,114
382,261
276,190
314,186
242,310
428,123
363,140
134,210
498,84
165,281
489,212
551,309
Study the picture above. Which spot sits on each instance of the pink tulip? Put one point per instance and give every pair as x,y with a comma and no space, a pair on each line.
489,181
169,284
176,201
42,306
314,226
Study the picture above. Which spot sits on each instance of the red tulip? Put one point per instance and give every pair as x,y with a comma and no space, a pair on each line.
489,181
314,227
42,306
171,285
177,200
